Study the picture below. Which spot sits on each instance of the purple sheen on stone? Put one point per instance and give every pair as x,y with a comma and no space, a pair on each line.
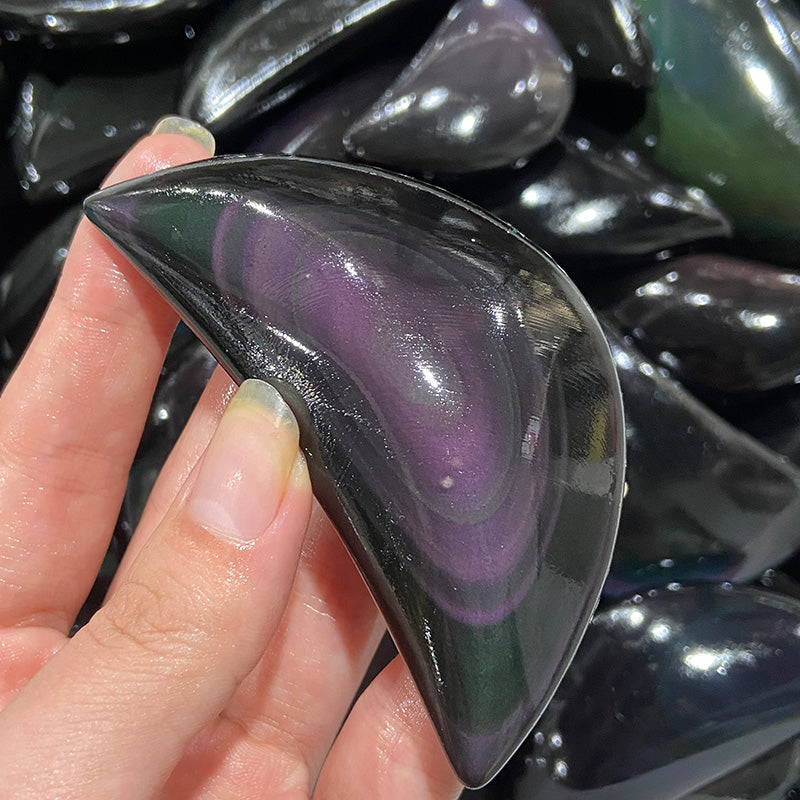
492,85
258,55
671,696
459,409
720,324
704,500
314,126
587,201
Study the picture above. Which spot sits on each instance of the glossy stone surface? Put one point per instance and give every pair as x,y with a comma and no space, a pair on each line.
725,110
257,55
458,406
773,420
65,138
718,323
315,126
666,695
774,776
586,200
27,283
491,86
704,500
604,39
115,20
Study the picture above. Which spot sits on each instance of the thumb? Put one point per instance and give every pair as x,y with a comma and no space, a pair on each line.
111,714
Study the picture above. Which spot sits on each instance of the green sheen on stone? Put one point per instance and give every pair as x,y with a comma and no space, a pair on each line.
725,110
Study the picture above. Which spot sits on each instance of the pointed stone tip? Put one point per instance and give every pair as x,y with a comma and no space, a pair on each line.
478,760
107,210
95,204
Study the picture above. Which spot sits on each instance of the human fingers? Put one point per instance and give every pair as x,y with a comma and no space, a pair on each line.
280,723
301,690
388,747
72,414
112,712
182,459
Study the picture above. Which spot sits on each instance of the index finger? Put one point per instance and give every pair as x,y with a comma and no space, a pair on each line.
72,414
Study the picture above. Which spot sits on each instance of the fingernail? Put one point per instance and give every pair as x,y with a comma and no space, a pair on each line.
247,466
186,127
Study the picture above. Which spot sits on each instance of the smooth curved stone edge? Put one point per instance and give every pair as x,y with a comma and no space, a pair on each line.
482,658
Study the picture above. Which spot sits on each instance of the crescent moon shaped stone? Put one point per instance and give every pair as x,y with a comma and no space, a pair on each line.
705,501
257,54
492,85
666,695
458,405
724,112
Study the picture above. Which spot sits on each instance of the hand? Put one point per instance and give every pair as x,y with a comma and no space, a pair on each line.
225,659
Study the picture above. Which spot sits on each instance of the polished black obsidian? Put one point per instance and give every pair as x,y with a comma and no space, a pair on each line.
65,137
458,406
667,693
586,200
27,283
491,86
604,38
773,776
773,419
314,126
718,323
257,55
704,501
107,19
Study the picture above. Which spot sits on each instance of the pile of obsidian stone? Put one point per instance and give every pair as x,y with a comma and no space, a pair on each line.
653,148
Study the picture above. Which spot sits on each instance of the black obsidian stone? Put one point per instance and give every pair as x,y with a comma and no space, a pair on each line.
704,500
719,324
458,405
66,137
492,85
773,419
667,694
314,126
590,202
257,55
604,38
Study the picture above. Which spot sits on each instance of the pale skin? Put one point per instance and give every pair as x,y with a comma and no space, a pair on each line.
227,654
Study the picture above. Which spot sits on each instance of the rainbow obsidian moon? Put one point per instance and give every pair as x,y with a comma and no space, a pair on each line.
459,407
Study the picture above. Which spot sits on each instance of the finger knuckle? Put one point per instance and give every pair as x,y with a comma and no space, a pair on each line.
154,620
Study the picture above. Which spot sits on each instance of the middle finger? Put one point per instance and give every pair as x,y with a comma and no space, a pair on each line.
296,699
